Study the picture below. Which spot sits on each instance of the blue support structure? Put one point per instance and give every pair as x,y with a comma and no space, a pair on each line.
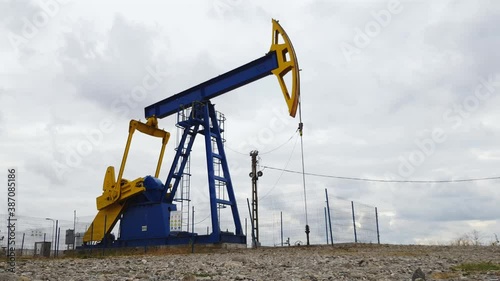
203,120
214,87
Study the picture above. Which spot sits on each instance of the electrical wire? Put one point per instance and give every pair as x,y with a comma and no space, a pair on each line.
282,172
280,146
202,220
383,180
233,150
266,152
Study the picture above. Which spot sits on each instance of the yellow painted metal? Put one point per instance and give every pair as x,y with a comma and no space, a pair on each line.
287,61
111,190
116,192
151,128
103,222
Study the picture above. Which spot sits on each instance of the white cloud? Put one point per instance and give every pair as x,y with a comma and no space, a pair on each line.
359,117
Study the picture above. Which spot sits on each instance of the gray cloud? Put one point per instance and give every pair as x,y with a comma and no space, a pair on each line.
105,68
360,117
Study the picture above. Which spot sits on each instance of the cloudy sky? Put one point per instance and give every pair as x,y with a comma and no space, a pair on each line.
399,90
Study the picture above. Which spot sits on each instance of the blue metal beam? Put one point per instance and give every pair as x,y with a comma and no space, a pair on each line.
214,87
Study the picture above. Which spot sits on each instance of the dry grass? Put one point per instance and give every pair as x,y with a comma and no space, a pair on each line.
444,275
477,267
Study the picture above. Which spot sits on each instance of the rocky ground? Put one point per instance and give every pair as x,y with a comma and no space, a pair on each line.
341,262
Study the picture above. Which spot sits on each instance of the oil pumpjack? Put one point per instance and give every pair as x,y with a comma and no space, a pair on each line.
144,205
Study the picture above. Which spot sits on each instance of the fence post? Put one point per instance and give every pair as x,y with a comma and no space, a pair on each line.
354,223
326,226
281,217
58,239
22,244
192,220
55,238
329,216
376,221
74,229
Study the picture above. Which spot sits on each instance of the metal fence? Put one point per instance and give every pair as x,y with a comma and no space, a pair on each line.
55,233
281,222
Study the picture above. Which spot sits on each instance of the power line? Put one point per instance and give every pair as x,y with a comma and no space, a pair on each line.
280,146
282,171
383,180
266,152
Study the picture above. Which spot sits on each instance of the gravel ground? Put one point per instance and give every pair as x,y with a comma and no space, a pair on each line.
341,262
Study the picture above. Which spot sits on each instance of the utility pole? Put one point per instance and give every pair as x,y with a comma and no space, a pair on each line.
281,219
254,244
255,199
354,223
376,221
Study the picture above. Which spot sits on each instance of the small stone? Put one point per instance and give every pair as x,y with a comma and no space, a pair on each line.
418,275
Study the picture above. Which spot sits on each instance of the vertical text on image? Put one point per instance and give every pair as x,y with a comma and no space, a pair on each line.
11,218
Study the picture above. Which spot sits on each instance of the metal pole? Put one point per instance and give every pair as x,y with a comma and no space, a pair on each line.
354,223
119,227
255,199
55,239
74,229
246,229
329,216
58,240
192,221
281,217
22,244
251,221
326,226
52,238
376,221
301,126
